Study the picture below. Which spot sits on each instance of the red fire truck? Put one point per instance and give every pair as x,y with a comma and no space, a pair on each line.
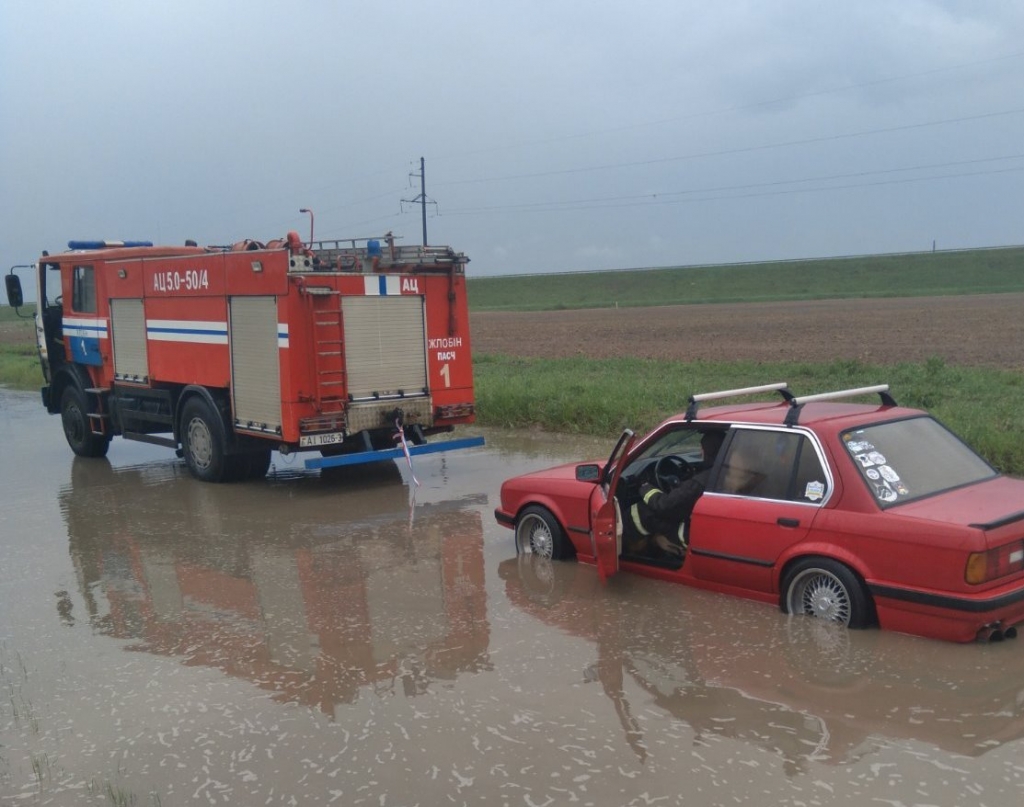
356,349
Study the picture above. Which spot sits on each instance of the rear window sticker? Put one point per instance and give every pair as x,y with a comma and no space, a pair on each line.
871,473
888,474
858,446
814,491
885,493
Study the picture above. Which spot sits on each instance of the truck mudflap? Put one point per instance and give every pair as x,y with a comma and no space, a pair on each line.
392,453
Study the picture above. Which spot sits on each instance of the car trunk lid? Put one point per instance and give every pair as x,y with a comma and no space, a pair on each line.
995,506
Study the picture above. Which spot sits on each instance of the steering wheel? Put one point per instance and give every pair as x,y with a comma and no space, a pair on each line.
670,470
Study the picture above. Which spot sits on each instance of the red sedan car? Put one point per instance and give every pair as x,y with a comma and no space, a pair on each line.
860,514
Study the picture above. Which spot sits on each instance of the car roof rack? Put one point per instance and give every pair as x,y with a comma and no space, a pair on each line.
694,401
796,404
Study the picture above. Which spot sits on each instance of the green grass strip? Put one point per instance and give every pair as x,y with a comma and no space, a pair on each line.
984,406
978,271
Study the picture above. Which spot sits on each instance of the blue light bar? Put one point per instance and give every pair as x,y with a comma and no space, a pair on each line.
107,244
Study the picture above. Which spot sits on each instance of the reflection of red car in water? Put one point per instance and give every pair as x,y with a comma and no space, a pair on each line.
855,513
313,607
810,690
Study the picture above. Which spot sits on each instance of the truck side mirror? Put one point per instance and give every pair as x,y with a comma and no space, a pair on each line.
15,299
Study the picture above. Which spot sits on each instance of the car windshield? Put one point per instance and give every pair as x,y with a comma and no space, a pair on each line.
682,442
908,459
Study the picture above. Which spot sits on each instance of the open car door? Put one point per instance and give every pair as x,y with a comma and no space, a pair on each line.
605,514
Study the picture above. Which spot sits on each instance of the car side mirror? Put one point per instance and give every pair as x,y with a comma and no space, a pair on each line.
15,299
591,472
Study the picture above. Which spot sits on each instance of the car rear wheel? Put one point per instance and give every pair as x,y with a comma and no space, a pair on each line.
539,533
826,589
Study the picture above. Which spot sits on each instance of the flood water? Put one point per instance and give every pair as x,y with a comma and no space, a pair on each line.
352,639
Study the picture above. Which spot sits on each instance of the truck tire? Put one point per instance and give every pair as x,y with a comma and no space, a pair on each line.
202,441
75,419
251,465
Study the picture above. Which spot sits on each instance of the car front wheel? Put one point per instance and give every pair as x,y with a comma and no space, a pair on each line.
828,590
539,533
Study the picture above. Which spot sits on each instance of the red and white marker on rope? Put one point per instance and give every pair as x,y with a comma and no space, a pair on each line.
400,436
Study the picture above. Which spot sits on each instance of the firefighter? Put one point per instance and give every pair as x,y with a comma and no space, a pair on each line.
663,515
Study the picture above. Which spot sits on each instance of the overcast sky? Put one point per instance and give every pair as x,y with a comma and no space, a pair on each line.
558,136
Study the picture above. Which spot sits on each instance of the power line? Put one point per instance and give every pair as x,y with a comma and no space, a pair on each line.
750,185
651,200
663,121
707,154
743,150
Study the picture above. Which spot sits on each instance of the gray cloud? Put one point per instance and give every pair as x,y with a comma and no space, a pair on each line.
557,136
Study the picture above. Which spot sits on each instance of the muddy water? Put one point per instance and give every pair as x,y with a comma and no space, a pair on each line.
351,639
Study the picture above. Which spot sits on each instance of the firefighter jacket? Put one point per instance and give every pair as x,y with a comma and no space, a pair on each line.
666,513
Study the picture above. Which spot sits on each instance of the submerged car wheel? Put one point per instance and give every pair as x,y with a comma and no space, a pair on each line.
539,533
828,590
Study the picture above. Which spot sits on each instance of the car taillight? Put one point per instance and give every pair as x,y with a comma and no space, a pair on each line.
995,563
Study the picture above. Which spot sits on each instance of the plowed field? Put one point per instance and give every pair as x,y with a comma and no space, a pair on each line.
983,330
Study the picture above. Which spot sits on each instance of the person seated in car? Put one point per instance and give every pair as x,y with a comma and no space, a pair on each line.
663,515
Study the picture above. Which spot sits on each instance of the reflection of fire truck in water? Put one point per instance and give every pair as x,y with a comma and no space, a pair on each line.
388,600
226,353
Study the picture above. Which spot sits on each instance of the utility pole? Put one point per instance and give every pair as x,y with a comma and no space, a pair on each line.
422,198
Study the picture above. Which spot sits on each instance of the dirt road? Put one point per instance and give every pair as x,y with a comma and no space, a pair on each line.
978,330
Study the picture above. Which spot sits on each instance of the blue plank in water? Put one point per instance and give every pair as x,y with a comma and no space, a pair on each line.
392,453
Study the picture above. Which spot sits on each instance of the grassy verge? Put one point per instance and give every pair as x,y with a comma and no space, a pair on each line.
19,362
19,367
977,271
984,406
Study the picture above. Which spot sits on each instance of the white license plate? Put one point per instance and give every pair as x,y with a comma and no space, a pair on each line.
314,440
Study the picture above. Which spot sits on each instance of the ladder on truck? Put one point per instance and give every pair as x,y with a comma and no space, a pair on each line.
96,411
329,353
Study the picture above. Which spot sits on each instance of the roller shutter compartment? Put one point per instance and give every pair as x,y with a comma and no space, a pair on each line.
128,329
255,363
385,346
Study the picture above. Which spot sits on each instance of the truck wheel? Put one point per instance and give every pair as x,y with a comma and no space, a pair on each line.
253,465
202,441
75,419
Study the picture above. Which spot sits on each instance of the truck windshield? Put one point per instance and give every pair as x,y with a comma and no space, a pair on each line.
908,459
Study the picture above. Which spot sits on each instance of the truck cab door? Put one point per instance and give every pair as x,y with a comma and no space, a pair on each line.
605,513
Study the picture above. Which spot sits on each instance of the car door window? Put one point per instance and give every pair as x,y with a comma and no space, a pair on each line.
772,465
